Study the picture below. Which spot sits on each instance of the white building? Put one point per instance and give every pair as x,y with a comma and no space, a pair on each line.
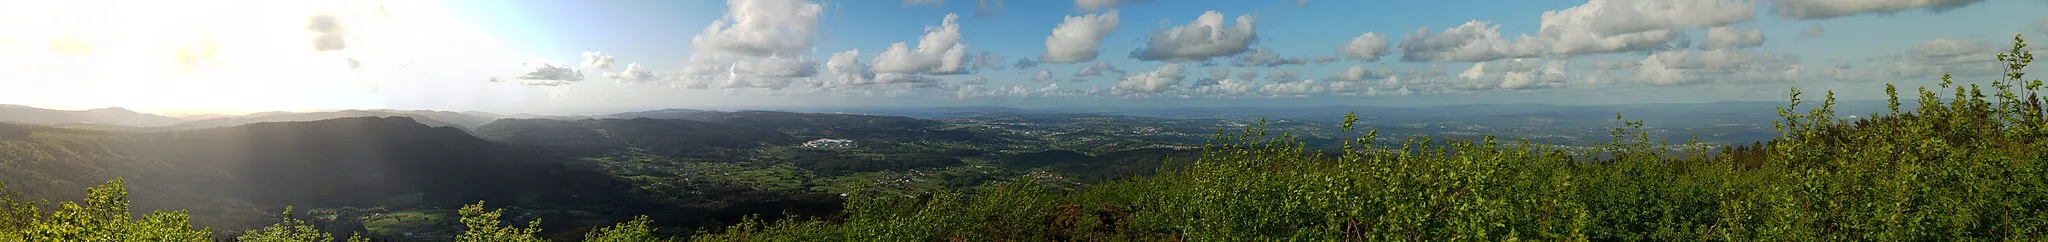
829,144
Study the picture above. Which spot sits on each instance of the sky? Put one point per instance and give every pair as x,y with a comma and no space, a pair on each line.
598,56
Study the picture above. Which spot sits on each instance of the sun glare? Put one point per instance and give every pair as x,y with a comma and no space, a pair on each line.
203,55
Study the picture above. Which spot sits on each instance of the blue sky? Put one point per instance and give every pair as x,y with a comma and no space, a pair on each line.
531,56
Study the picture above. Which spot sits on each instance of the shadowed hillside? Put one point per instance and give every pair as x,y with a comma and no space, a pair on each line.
235,174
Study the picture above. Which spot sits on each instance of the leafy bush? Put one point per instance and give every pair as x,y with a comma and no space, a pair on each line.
102,216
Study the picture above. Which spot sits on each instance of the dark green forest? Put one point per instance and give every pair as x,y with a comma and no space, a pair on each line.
1964,164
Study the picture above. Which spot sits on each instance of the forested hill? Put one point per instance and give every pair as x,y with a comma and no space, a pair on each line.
232,176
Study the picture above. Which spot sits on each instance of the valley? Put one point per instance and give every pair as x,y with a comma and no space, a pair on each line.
398,174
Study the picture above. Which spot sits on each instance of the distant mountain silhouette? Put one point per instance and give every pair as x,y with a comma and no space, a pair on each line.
463,120
108,116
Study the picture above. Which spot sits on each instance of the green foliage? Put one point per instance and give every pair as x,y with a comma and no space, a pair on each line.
1968,168
636,230
484,226
288,230
102,216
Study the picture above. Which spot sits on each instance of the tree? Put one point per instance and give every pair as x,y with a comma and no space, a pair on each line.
485,227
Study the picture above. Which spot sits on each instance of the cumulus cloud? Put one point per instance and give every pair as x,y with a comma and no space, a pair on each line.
1098,69
1227,88
1959,57
1609,26
1303,88
1470,42
543,73
1678,67
939,52
757,43
1360,73
1248,75
596,60
1512,74
1264,58
1078,38
1205,37
1282,75
328,34
1042,75
1729,38
847,70
1092,5
633,73
1823,9
1152,82
1366,47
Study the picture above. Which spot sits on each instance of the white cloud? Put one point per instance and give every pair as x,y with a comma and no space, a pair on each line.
847,70
1261,57
1219,74
1512,74
1303,88
1092,5
596,60
1618,17
1359,73
1471,42
1678,67
1098,69
938,52
633,73
757,43
975,81
329,34
1227,88
1366,47
1282,76
1608,26
759,28
1079,38
1152,82
1729,38
1205,37
1042,75
1959,57
543,73
1823,9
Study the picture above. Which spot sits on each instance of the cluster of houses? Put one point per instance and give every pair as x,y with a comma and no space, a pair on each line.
829,144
